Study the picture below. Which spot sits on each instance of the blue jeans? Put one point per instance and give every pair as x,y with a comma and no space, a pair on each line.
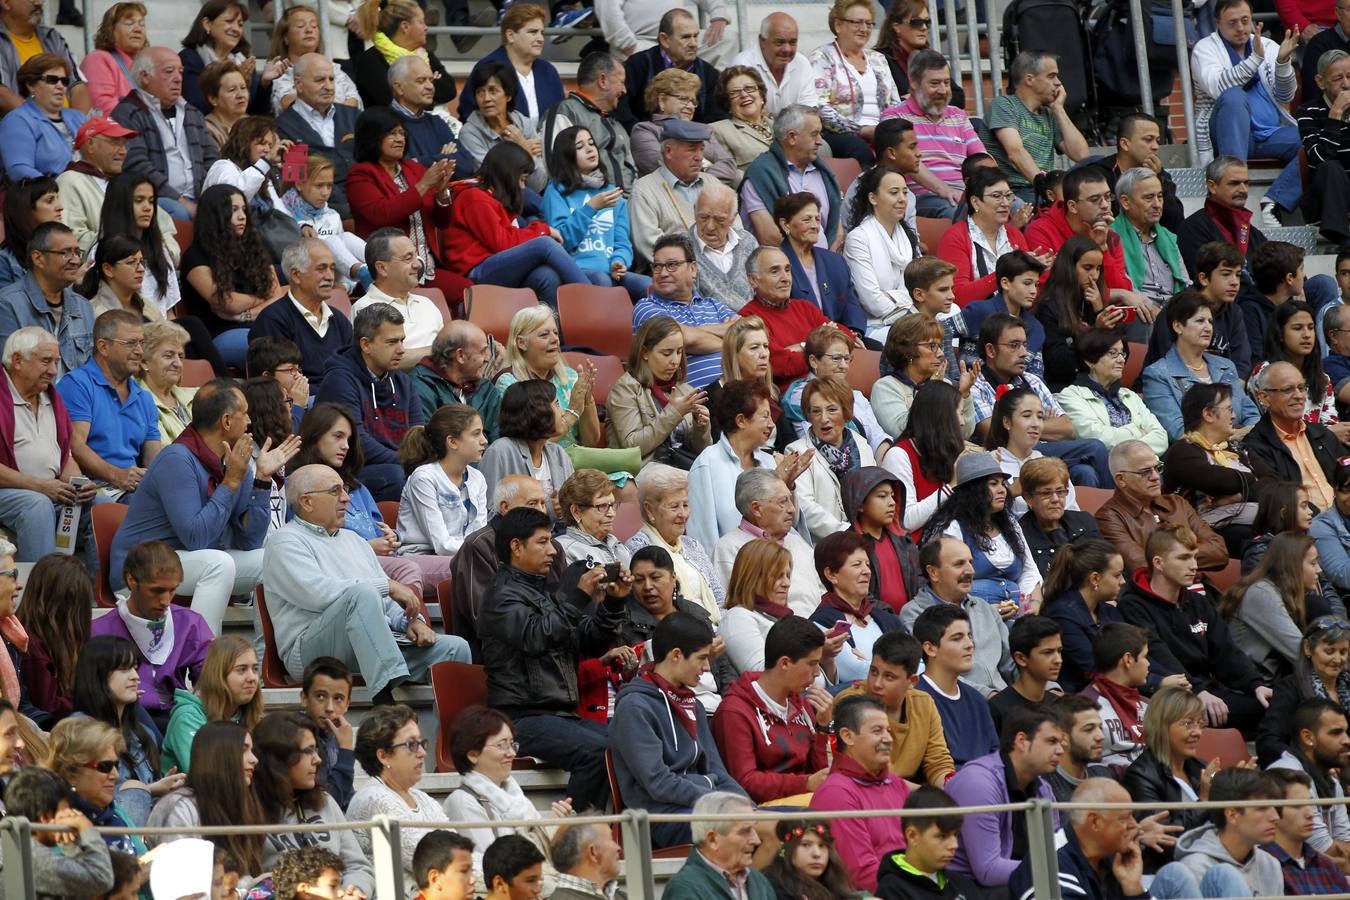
573,744
232,346
176,210
636,285
1176,882
384,480
1230,131
31,516
931,206
1086,459
541,264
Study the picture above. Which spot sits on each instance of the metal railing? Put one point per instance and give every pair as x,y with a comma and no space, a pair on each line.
635,832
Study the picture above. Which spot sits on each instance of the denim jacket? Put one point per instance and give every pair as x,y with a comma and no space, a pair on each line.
22,304
1168,379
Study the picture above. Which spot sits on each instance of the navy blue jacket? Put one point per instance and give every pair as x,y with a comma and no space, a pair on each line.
839,300
1077,629
548,88
427,134
283,320
291,127
1077,877
645,65
385,407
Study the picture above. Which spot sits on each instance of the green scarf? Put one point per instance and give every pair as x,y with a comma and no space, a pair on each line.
1133,248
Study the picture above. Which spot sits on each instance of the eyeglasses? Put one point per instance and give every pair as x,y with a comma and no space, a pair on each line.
1115,354
9,573
838,358
336,490
1052,493
917,22
684,101
1000,197
1146,471
286,370
669,266
743,92
102,766
138,342
54,80
1300,388
505,747
1191,724
1015,345
859,23
70,253
935,346
135,262
311,750
411,746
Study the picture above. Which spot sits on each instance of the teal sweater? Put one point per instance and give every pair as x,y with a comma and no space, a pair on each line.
1133,248
768,173
185,721
700,881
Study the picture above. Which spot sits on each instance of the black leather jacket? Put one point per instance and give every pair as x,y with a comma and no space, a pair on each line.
533,641
1149,781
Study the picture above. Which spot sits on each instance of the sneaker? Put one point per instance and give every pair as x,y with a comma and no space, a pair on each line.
1269,214
573,18
482,19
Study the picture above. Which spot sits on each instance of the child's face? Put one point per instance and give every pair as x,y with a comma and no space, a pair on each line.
1044,661
327,699
938,297
1021,291
318,189
455,882
528,884
328,887
930,846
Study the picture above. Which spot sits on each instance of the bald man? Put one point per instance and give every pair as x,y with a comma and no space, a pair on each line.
721,246
172,146
1100,856
476,563
454,371
1282,445
786,71
316,119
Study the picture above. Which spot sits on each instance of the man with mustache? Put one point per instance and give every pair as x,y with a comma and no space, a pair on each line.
307,320
861,779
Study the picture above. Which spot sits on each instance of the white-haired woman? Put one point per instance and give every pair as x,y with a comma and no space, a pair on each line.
534,350
663,497
162,374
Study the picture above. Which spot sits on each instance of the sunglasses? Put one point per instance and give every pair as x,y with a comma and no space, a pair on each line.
103,766
920,22
53,80
1333,625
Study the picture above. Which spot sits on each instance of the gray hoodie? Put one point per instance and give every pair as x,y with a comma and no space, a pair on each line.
1200,848
993,662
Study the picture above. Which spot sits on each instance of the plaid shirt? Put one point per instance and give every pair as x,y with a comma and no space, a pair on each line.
982,394
1312,875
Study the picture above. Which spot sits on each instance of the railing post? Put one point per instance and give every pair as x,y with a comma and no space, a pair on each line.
16,851
973,41
1187,91
636,831
1141,56
953,42
742,25
386,851
1041,849
89,26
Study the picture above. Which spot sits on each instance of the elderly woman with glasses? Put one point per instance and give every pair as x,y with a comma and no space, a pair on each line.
1320,671
392,751
839,449
673,94
663,497
1048,524
38,138
854,83
976,243
587,505
85,752
748,132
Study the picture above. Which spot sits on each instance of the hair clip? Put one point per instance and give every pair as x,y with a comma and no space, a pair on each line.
1001,390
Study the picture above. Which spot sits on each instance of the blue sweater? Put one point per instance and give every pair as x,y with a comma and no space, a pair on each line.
595,238
32,146
966,721
172,505
283,320
427,135
385,407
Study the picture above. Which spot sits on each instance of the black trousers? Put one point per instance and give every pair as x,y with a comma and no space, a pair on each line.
1328,203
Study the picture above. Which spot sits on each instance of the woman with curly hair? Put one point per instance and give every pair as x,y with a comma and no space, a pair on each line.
120,36
924,459
57,598
807,867
228,276
250,159
977,513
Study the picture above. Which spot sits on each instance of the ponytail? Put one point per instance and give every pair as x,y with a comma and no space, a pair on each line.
426,443
1074,563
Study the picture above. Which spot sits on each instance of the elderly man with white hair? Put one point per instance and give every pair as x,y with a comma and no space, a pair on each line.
36,467
719,865
413,86
1152,257
721,246
769,511
318,121
663,497
328,596
587,860
172,145
1282,446
304,316
786,71
1100,856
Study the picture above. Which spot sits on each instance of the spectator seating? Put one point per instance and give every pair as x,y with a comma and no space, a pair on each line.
455,687
183,234
447,611
106,519
342,301
1223,579
845,169
864,371
1090,499
491,307
196,372
607,371
436,296
592,319
679,851
1134,364
931,231
1225,743
274,673
389,512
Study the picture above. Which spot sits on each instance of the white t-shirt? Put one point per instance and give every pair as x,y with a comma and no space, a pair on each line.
527,91
871,109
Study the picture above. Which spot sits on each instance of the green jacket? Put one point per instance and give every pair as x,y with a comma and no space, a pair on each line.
186,719
768,174
700,881
434,390
1133,248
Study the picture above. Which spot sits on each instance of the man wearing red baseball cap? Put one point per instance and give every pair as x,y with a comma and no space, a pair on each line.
101,145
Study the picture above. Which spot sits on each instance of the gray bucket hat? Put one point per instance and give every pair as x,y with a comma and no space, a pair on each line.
976,467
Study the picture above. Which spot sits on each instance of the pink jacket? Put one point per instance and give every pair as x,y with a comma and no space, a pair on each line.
108,80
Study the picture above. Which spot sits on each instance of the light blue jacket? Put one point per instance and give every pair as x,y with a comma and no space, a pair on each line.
595,237
1168,379
712,491
32,146
1332,533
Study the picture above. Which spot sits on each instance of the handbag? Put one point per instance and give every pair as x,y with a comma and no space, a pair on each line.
674,455
277,230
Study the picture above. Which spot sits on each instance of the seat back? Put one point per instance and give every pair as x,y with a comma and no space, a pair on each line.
183,234
389,512
274,673
864,371
1134,363
447,610
341,301
931,231
596,317
1225,743
1090,499
436,296
196,372
1226,577
455,686
845,169
106,519
607,371
491,307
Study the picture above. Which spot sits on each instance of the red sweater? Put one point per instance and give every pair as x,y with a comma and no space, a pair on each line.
1051,229
787,326
479,227
377,202
955,248
768,757
1300,13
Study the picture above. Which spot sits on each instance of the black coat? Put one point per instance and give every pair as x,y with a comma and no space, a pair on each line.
1149,781
1174,213
642,67
894,883
1075,526
1271,460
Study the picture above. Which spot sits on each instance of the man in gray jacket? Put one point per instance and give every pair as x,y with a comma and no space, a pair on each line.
600,85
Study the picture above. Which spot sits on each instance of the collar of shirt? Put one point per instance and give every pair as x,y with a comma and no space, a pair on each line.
312,115
404,111
732,240
736,880
375,293
673,181
586,886
1300,429
809,169
318,321
314,529
670,63
43,398
754,530
156,107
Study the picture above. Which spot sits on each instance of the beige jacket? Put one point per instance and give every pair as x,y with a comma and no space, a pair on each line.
634,420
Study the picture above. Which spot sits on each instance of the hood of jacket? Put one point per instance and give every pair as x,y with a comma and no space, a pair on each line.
857,484
386,390
743,689
1204,841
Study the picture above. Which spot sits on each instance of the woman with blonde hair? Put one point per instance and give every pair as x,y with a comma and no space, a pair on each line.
107,68
298,32
673,94
652,406
1170,770
745,357
229,689
85,753
748,132
534,351
828,405
757,597
395,28
162,375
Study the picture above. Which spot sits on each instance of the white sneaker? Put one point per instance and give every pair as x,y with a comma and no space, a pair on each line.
1268,219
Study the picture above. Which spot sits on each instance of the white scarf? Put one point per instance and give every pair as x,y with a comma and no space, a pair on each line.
507,802
693,585
156,651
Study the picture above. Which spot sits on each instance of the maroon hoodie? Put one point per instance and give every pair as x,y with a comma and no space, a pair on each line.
768,757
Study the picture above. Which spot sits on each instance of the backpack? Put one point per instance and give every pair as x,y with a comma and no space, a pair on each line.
1054,26
1114,63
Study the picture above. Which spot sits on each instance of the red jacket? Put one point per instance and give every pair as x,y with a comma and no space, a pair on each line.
479,227
768,757
1051,229
377,202
955,248
787,326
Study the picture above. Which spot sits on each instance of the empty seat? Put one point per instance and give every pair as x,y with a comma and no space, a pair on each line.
491,307
597,317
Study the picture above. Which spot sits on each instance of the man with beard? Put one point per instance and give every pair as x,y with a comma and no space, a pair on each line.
946,137
1306,872
1083,754
1320,748
861,779
1030,748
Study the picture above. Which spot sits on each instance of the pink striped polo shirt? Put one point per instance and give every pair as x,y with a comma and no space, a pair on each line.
943,145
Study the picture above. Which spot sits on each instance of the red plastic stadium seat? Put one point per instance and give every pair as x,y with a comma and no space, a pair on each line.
274,673
864,371
196,372
597,317
491,307
106,519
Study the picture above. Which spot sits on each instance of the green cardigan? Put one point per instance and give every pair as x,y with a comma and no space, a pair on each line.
185,720
1133,248
768,174
700,881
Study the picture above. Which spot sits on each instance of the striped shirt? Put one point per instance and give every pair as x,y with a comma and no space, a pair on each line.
704,368
944,144
1040,134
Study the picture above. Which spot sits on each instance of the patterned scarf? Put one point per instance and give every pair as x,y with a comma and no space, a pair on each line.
1116,411
15,635
681,700
841,459
1319,689
1223,456
1234,224
300,208
661,391
417,232
832,600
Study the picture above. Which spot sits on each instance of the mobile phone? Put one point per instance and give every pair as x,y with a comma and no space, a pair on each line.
840,627
1130,313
